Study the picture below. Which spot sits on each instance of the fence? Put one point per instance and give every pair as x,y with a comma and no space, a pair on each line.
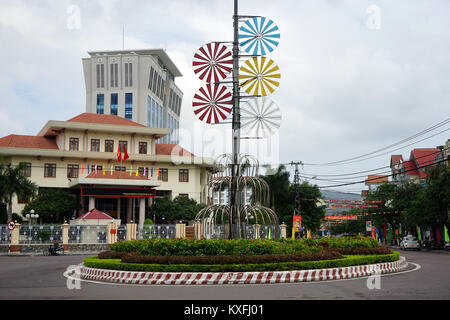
39,234
156,231
31,237
4,234
88,234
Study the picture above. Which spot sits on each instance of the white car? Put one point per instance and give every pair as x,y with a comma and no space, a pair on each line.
409,242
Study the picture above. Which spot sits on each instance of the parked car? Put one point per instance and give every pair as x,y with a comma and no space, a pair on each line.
409,242
447,246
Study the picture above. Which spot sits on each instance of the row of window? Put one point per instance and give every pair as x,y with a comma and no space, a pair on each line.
173,126
114,75
155,114
174,102
74,145
156,84
115,104
74,169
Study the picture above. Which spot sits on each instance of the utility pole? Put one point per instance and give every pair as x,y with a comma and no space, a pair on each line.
234,231
297,202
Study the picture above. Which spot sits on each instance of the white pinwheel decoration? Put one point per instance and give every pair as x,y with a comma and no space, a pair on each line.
261,117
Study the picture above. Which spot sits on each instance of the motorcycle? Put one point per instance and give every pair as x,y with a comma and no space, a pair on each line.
51,251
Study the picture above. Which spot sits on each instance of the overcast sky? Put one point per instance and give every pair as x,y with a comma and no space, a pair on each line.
356,75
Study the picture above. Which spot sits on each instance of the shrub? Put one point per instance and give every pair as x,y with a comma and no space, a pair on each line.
116,264
229,259
191,247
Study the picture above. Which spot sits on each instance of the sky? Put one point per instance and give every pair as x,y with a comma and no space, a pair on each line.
356,75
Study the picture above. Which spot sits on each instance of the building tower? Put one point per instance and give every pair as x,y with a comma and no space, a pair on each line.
138,85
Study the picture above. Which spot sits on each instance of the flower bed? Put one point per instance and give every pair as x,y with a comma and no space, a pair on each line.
191,247
351,260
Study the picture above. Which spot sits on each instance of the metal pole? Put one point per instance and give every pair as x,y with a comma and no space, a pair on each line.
236,128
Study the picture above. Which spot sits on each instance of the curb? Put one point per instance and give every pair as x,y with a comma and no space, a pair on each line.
220,278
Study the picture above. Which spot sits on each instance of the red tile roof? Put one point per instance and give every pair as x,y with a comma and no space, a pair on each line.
104,119
424,157
376,179
396,158
95,214
23,141
411,168
168,149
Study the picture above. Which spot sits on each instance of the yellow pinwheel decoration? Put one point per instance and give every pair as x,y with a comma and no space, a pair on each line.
259,76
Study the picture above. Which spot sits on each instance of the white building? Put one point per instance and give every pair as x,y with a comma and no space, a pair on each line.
138,85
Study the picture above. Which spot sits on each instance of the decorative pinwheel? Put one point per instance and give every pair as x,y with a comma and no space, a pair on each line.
261,117
212,103
259,36
259,76
212,62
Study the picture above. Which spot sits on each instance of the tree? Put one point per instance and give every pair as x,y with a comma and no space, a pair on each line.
312,216
278,181
13,182
53,205
180,208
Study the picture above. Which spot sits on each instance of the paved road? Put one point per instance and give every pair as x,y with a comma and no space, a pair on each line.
38,277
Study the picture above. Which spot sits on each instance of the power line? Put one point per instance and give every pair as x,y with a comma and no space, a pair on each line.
351,174
346,161
357,182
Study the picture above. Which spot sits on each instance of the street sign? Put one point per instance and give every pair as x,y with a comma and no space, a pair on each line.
11,225
368,226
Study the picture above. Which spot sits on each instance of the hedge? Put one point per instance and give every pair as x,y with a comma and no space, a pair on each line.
191,247
353,260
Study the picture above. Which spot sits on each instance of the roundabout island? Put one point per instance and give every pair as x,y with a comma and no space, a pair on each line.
240,261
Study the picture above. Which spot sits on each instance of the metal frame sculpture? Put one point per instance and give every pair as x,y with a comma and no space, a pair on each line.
238,173
254,219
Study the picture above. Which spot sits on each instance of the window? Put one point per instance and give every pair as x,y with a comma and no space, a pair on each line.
183,195
141,171
150,80
123,145
117,168
161,123
50,170
21,199
100,103
128,106
72,171
109,145
163,174
184,175
26,172
128,75
100,76
143,147
163,87
114,103
155,82
114,75
99,167
149,110
153,113
73,144
95,145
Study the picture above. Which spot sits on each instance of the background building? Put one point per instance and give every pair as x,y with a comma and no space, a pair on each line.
138,85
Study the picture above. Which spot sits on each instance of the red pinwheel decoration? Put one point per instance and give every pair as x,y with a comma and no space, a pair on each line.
213,62
212,103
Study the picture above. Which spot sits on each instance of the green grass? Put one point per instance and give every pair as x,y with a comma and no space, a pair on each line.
350,260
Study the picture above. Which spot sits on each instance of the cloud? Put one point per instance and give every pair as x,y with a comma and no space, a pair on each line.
345,89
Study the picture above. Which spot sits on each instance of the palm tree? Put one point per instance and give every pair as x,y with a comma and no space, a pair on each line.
13,182
278,181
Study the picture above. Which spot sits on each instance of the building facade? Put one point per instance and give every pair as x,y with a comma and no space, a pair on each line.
81,155
138,85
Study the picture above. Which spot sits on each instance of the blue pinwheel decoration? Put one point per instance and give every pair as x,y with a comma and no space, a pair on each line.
259,36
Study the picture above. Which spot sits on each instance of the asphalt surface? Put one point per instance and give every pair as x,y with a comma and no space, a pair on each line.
39,277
